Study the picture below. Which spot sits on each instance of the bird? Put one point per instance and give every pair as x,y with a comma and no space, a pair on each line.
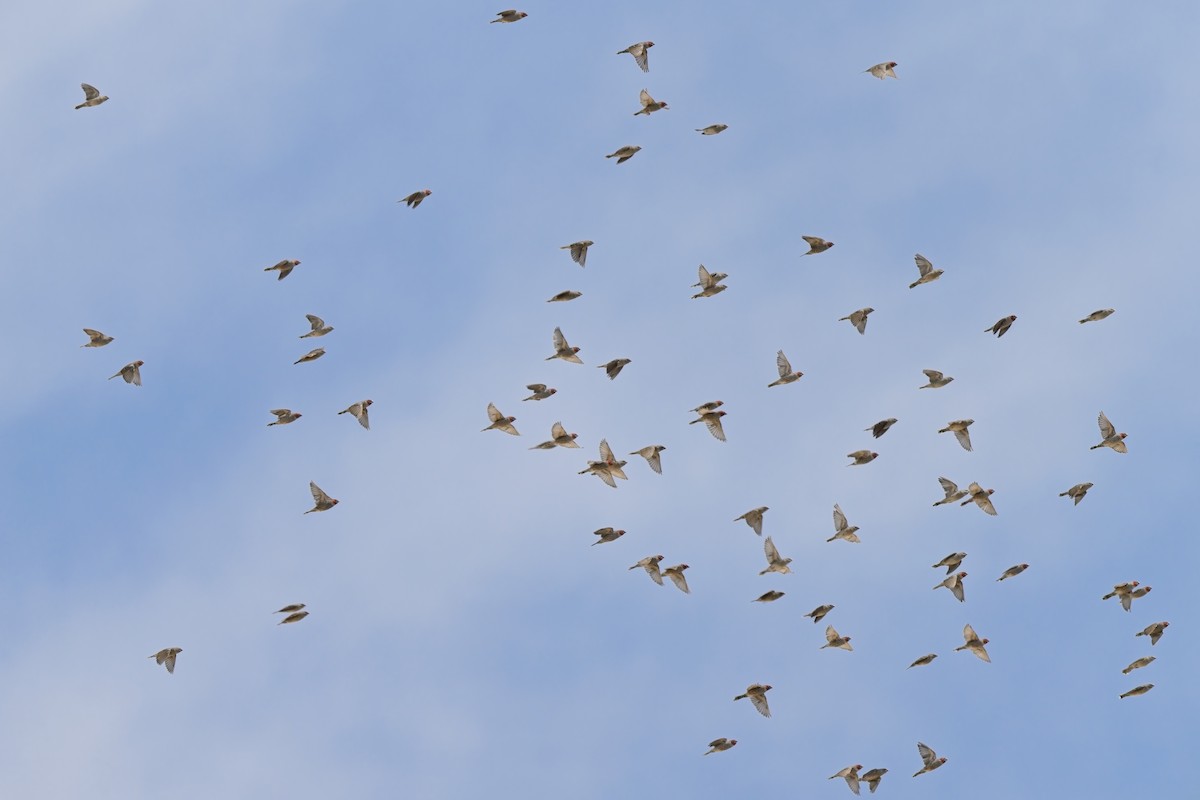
959,427
816,245
936,379
614,367
1154,631
415,199
296,617
835,639
579,251
650,564
649,104
558,438
928,273
321,501
850,774
311,355
96,338
511,15
1111,438
974,644
1096,316
819,612
1078,491
284,416
709,283
861,457
842,528
1141,662
929,759
167,654
720,745
775,563
1122,589
712,419
707,407
711,130
607,535
638,51
1001,327
786,374
131,373
625,153
710,291
754,518
563,350
953,493
359,412
540,391
319,328
757,692
500,422
675,573
881,427
563,297
290,609
951,562
858,319
954,584
872,777
980,497
284,268
1138,690
607,467
91,97
924,660
652,455
1012,572
883,70
768,597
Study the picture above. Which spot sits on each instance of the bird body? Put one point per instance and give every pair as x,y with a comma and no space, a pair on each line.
638,51
91,97
625,153
579,250
415,199
130,373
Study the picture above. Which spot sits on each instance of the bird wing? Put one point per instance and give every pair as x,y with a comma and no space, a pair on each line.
785,367
169,659
933,374
760,702
1106,427
927,753
964,438
679,580
316,322
948,486
771,551
557,431
560,341
831,634
494,413
969,634
89,92
714,427
641,56
923,264
655,461
839,519
319,496
646,99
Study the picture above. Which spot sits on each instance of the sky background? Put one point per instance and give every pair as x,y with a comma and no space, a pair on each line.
464,639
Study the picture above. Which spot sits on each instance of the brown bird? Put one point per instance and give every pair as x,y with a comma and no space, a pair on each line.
311,355
974,644
930,759
1012,572
296,617
579,251
625,153
953,493
650,564
842,528
359,412
607,535
921,662
936,379
614,367
720,745
881,427
872,777
850,774
816,245
959,428
1078,491
1001,327
319,328
927,273
768,597
415,199
858,319
284,268
558,438
540,391
289,609
638,51
167,656
652,455
1096,316
754,518
819,613
884,70
954,584
1141,662
321,501
712,419
511,15
563,297
1112,439
1138,690
1154,631
130,373
775,562
649,104
861,457
834,639
757,692
563,350
284,416
96,338
980,497
712,130
951,562
500,422
675,573
786,373
92,98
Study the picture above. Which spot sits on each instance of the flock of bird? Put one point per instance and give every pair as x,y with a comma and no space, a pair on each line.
609,469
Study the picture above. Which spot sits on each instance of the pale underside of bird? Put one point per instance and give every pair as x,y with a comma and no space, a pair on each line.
540,391
607,468
167,656
649,104
936,379
858,319
860,457
563,350
923,661
959,428
953,493
712,420
850,774
816,245
284,416
675,573
775,562
652,454
416,198
91,96
927,273
980,497
709,283
284,268
757,693
607,535
836,640
319,328
843,529
1012,571
294,617
951,562
638,51
500,422
1141,662
754,518
510,15
819,612
311,355
720,745
321,501
613,368
786,373
625,153
974,644
566,296
360,412
1001,327
579,250
558,438
96,338
872,777
1154,631
929,759
1111,438
130,373
712,130
955,585
881,427
650,564
1096,316
1077,492
885,69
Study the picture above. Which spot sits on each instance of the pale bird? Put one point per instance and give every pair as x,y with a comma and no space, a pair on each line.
709,283
650,564
500,422
1138,690
707,407
842,528
757,692
955,585
96,338
625,153
652,454
510,15
319,328
872,777
936,379
786,373
835,639
91,97
720,745
540,391
929,759
1012,571
819,612
607,468
923,661
1111,438
816,245
754,518
638,51
861,457
167,654
858,319
974,644
649,104
415,199
927,273
564,297
850,774
1141,662
775,562
712,130
579,251
563,350
1096,316
130,373
311,355
953,493
675,573
959,428
1078,491
980,497
951,562
1154,631
359,412
613,368
712,419
321,501
886,69
558,438
1122,589
607,535
284,268
1001,327
881,427
284,416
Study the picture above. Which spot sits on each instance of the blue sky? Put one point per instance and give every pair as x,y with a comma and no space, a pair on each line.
464,639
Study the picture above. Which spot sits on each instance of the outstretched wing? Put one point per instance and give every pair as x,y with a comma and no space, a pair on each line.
1106,427
785,366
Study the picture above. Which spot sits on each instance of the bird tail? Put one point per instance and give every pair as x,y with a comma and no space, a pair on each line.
81,105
